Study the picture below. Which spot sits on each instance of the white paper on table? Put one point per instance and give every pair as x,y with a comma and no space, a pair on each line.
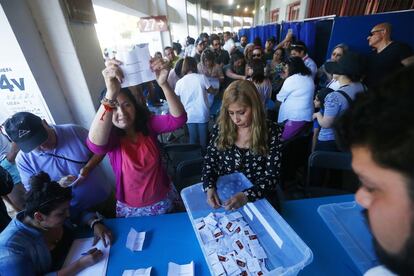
180,270
80,246
135,240
136,65
138,272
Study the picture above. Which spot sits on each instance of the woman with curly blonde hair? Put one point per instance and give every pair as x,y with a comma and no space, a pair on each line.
243,141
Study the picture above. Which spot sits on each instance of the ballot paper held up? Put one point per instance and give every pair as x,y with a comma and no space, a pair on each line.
79,247
180,270
136,65
138,272
135,240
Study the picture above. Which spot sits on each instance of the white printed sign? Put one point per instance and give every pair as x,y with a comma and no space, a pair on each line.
18,88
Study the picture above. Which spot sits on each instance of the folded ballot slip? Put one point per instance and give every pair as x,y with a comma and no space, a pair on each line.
180,270
138,272
135,240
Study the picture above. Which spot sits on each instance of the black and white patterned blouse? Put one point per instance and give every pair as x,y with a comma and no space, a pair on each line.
262,170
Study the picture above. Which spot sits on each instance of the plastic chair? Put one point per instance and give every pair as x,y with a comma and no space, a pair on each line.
188,172
176,153
328,160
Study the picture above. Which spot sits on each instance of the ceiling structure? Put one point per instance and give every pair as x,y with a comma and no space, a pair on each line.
222,6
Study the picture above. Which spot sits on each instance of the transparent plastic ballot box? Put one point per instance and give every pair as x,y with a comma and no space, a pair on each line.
348,225
286,253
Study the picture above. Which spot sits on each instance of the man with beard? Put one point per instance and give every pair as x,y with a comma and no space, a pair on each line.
222,56
380,133
243,43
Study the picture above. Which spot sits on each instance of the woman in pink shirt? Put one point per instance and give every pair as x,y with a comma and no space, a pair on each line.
128,133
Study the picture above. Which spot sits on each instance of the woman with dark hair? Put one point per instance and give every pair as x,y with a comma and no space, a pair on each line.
243,141
235,70
214,74
128,133
263,85
275,70
36,240
296,96
324,78
195,101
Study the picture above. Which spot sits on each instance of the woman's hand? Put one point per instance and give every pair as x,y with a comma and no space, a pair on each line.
66,181
92,257
161,69
102,233
213,199
236,201
113,77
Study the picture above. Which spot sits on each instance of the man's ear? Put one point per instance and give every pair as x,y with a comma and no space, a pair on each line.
38,216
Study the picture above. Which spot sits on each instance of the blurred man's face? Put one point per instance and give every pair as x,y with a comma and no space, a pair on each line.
295,53
216,44
268,45
243,41
226,37
169,54
200,47
385,196
376,36
257,54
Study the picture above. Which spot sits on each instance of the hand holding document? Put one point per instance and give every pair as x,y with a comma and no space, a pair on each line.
136,65
81,248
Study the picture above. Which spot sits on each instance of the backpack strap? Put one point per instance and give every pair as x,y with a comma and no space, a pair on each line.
346,96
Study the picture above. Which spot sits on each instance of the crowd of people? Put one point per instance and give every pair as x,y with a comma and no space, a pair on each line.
266,95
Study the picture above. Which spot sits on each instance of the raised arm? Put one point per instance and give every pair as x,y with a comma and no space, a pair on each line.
161,69
102,123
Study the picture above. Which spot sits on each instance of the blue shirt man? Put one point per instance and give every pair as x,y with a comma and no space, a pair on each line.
60,151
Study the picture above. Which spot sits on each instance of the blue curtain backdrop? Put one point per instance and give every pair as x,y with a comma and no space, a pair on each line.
263,31
304,31
353,30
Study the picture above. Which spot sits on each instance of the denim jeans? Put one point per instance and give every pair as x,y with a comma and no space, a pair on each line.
198,133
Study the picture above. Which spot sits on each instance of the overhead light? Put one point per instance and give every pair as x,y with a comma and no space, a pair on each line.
238,6
246,9
231,2
253,11
262,7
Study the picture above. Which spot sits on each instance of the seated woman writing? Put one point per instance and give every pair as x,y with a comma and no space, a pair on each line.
128,133
37,239
243,141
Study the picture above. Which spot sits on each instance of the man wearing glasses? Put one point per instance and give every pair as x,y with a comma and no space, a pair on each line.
387,57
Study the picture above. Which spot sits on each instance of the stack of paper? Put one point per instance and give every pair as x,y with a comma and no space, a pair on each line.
231,245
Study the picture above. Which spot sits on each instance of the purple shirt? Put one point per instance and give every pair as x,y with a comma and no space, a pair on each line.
157,124
71,143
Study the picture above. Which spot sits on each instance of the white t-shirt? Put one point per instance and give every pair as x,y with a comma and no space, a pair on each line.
228,46
5,146
192,90
379,271
296,96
